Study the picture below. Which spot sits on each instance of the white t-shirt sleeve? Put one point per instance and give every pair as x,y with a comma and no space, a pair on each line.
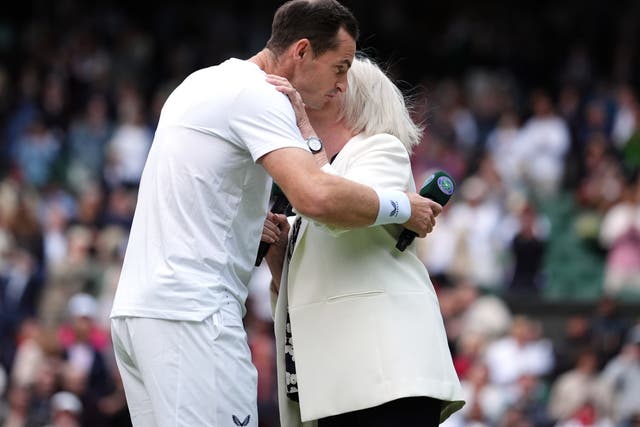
263,120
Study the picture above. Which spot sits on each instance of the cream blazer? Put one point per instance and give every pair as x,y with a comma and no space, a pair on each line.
365,320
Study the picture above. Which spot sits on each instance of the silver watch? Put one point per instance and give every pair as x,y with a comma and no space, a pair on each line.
315,144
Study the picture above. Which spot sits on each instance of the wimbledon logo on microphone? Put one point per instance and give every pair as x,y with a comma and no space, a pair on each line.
445,185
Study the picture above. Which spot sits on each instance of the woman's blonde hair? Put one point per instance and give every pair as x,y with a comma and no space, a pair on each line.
373,104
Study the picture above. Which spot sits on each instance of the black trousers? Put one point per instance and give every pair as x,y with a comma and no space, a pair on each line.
406,412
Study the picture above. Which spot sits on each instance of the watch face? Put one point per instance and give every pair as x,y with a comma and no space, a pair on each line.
314,144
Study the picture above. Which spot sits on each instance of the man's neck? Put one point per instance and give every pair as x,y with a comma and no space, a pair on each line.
269,63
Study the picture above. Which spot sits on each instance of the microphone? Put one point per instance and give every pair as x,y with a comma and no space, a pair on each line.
439,188
280,205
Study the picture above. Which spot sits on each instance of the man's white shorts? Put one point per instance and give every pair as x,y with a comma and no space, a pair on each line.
178,373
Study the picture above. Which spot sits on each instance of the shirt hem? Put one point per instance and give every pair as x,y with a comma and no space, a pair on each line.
191,316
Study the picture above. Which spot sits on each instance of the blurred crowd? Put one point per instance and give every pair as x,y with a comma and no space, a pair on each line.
547,204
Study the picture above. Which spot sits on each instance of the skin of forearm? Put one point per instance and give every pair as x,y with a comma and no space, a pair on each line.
340,202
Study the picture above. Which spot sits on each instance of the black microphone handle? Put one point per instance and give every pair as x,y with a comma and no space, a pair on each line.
280,205
439,188
405,239
262,251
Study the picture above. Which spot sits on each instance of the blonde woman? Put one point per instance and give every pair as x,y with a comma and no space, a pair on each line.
360,337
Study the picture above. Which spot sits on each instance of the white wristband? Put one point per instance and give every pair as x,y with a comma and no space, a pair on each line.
394,207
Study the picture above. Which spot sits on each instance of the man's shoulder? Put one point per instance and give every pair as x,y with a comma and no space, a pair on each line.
239,84
230,73
235,65
255,93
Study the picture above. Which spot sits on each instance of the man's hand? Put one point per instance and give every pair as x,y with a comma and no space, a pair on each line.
302,120
276,233
275,229
423,214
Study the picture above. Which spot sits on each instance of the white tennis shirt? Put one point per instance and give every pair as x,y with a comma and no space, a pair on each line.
203,199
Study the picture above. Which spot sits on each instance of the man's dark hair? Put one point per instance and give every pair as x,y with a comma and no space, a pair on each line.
316,20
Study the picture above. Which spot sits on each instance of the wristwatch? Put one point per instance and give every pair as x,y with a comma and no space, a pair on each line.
315,144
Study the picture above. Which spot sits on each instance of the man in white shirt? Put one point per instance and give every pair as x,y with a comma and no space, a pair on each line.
177,315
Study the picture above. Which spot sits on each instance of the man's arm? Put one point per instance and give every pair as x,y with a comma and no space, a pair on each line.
334,200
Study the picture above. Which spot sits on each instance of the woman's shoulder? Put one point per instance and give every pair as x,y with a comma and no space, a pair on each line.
379,141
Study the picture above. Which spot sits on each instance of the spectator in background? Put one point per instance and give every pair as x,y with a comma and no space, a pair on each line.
468,351
46,385
35,368
76,273
523,352
609,327
596,122
486,402
620,235
84,343
131,140
601,182
570,109
622,376
575,338
528,248
455,113
31,353
90,210
66,410
624,122
37,152
55,223
120,206
17,413
54,104
25,111
544,140
74,379
578,387
586,416
502,145
438,148
489,93
483,313
88,138
514,417
474,224
20,288
527,395
25,227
